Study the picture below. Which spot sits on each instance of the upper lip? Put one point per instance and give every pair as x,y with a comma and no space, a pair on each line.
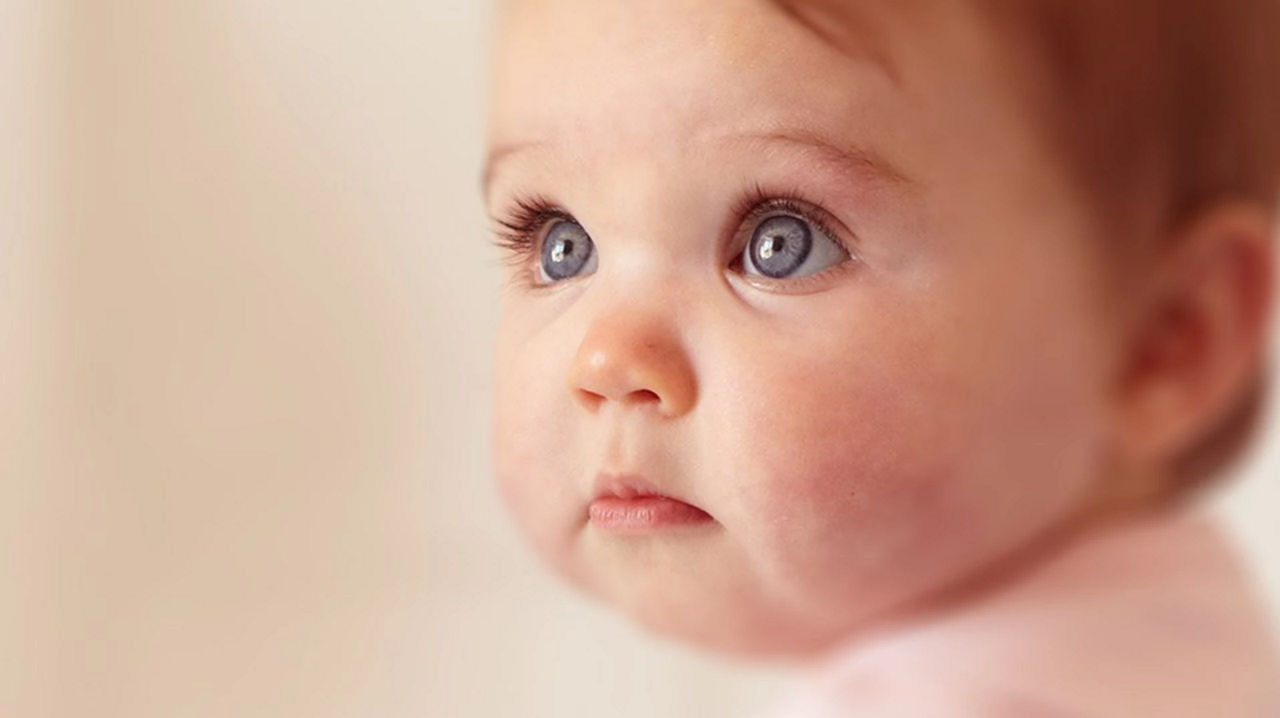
627,486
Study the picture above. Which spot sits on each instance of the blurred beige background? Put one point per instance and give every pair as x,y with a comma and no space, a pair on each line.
246,297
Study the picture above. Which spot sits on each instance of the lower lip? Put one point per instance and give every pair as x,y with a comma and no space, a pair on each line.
643,513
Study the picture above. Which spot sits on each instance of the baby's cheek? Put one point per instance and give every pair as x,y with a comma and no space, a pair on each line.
846,482
880,471
534,466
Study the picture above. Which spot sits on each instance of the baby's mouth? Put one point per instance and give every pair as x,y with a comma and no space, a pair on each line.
630,504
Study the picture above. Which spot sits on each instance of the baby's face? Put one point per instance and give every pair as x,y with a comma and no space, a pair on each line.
792,336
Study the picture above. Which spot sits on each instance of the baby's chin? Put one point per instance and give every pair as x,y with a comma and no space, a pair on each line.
704,588
720,618
730,628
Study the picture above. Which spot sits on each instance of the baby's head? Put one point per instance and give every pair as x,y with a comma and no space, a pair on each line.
816,312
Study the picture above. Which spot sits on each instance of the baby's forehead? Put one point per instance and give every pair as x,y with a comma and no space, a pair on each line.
742,30
571,67
609,85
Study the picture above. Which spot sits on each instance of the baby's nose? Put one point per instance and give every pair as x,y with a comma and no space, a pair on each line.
636,360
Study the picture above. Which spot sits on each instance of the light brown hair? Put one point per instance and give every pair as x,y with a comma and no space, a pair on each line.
1178,100
1161,109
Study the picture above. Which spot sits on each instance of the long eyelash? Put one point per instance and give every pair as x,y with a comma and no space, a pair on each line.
517,233
758,202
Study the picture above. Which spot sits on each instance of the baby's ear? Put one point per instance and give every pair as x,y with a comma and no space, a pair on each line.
1199,336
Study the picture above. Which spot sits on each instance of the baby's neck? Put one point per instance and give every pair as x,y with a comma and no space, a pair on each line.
1032,562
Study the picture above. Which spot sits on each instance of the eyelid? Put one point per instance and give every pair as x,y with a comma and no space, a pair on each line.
519,233
523,230
759,204
528,218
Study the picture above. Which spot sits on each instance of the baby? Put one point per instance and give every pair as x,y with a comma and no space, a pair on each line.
897,335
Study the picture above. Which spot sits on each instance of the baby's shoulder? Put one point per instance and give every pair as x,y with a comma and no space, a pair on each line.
920,697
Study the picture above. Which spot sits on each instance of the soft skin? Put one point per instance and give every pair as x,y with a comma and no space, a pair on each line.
865,438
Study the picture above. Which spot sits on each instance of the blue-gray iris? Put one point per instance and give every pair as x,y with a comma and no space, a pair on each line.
566,250
779,246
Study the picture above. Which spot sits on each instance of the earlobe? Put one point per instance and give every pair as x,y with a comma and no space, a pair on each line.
1198,339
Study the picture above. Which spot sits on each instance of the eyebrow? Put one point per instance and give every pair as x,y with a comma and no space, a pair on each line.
848,159
852,159
496,156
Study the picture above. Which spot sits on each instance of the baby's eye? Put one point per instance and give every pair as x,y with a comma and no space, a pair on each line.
785,246
567,252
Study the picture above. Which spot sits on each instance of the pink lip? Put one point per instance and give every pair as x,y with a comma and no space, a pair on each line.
630,504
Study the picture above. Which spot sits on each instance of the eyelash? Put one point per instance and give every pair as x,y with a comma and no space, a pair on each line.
758,203
517,234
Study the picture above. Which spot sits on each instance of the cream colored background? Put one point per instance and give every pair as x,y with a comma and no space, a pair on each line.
245,309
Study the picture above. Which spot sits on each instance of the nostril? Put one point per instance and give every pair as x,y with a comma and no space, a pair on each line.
644,396
589,399
592,400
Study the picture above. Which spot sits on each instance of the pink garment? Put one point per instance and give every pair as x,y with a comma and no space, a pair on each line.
1151,618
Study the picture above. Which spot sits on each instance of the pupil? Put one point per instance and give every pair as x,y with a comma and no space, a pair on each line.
563,248
566,251
771,246
780,246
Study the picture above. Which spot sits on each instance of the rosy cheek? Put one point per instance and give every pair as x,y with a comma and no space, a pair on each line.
510,454
532,477
850,462
851,453
835,421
